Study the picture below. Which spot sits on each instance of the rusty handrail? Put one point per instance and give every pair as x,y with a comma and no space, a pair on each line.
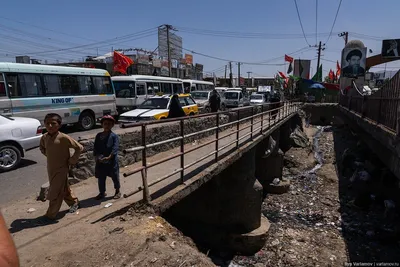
279,113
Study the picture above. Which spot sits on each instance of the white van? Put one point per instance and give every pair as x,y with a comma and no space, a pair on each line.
133,90
234,98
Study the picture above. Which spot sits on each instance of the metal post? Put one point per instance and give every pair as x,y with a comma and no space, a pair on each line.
146,193
262,118
252,121
182,123
237,129
217,138
269,117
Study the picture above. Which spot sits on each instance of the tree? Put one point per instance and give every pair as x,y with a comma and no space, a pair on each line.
327,79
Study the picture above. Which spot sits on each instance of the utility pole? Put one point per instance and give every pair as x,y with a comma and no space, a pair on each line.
248,79
226,67
320,48
239,72
345,35
230,75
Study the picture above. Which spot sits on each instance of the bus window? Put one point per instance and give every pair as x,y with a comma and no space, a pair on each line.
209,87
69,85
153,88
176,88
166,88
52,84
187,87
141,89
85,85
124,89
2,86
102,85
24,85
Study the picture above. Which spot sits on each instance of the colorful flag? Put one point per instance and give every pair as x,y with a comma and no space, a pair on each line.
288,59
121,62
331,75
290,69
318,75
337,69
282,75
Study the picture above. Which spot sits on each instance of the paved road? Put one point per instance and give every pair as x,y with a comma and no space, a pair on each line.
27,179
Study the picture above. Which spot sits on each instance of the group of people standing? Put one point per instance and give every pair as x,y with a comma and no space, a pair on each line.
55,146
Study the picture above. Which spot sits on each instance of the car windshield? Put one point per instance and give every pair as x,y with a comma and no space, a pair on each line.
155,103
200,95
231,95
256,97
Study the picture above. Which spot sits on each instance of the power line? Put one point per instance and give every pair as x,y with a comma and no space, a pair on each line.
142,34
301,24
46,29
334,21
247,35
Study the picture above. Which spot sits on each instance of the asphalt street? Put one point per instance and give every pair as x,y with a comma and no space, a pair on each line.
26,180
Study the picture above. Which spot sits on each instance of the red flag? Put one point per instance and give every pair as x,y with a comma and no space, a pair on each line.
121,62
331,75
337,69
288,58
282,75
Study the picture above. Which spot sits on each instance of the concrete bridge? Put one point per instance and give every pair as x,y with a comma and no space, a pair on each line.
213,188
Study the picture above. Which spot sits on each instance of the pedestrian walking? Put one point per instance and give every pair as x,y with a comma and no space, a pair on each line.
106,146
215,101
175,108
55,146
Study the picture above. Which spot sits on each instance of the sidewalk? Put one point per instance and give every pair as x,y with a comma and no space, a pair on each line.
35,242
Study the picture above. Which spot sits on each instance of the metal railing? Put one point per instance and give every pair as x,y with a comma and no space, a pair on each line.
254,119
380,110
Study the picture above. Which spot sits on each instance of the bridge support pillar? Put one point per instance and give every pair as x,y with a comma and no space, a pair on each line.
225,213
285,142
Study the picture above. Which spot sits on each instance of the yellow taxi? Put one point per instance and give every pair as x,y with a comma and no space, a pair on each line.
157,108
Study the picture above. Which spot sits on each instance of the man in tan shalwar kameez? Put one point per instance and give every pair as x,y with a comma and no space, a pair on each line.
55,146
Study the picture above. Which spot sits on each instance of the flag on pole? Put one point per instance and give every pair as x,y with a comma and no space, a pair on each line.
288,58
121,62
331,75
338,69
282,75
290,69
318,75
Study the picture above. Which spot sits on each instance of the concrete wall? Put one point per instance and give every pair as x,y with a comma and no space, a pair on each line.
380,140
323,114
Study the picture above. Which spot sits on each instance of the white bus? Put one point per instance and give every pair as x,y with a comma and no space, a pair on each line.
196,85
133,90
78,95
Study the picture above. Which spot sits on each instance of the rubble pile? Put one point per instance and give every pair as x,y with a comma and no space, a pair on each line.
317,223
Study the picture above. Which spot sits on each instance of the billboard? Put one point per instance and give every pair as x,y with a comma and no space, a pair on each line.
302,68
189,59
390,48
353,62
175,44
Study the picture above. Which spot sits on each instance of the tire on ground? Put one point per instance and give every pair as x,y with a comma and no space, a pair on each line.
18,155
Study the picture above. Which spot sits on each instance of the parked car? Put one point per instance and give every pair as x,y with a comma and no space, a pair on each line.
17,135
202,99
257,99
157,108
236,98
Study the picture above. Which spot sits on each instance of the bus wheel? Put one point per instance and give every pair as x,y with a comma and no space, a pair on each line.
86,121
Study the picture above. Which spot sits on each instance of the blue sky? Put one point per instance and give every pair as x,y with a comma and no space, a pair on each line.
41,26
